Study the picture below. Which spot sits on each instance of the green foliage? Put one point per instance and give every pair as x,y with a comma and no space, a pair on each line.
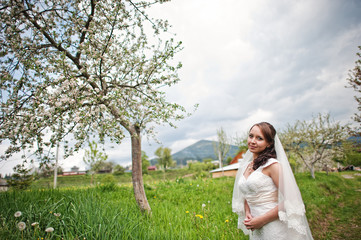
294,163
118,170
145,163
199,167
207,160
352,154
94,158
108,183
229,160
164,157
21,179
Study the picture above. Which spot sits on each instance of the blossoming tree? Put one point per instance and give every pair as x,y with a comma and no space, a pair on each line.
75,68
317,142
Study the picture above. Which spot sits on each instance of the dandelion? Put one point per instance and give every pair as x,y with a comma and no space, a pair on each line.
203,205
209,201
34,224
227,221
200,216
49,229
21,226
155,196
17,214
187,211
57,214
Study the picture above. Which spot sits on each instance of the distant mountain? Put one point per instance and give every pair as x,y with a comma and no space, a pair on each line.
199,151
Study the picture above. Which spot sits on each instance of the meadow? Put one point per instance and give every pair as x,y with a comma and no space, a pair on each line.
184,206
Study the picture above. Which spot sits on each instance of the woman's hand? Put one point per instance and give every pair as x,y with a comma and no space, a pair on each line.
252,223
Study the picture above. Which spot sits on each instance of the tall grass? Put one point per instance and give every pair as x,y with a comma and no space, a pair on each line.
105,212
181,209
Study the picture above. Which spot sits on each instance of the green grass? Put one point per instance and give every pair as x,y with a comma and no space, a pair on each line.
125,179
333,204
108,212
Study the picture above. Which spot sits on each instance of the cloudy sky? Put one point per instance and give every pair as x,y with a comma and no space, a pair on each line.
250,61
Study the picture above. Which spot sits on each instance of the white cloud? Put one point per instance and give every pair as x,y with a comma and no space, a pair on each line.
250,61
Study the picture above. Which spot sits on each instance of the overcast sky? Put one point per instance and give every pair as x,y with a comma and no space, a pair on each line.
251,61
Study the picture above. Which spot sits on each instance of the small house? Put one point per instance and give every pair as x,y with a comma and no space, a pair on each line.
74,171
230,170
152,168
4,186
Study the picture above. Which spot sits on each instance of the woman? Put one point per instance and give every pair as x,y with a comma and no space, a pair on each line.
266,196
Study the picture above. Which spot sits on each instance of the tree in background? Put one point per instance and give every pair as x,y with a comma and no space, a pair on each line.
229,160
94,158
354,81
221,146
352,153
164,157
118,170
92,67
47,169
315,142
21,179
105,167
145,162
241,142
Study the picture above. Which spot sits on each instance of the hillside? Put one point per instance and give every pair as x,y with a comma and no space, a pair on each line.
199,151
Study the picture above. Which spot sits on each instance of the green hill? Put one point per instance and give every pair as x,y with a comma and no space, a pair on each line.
198,151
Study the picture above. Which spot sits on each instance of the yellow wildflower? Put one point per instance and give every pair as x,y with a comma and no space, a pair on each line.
200,216
187,211
227,221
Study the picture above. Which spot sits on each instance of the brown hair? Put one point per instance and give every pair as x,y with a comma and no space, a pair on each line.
269,134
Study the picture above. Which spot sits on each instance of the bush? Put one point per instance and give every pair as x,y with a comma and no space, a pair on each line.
108,183
119,170
21,179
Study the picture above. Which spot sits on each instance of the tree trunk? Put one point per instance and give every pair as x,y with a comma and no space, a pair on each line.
56,166
312,170
137,176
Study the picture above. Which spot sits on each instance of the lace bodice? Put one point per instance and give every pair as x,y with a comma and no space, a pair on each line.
259,188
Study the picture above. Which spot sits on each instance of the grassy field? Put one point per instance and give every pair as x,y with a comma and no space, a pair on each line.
182,208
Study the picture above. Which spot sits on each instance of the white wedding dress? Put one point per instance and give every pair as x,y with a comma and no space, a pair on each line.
262,196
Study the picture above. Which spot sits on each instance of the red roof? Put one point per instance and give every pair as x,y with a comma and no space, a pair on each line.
238,156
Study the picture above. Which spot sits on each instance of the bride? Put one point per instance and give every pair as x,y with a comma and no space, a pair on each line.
266,196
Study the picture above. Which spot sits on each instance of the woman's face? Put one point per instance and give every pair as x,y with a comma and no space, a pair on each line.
256,141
